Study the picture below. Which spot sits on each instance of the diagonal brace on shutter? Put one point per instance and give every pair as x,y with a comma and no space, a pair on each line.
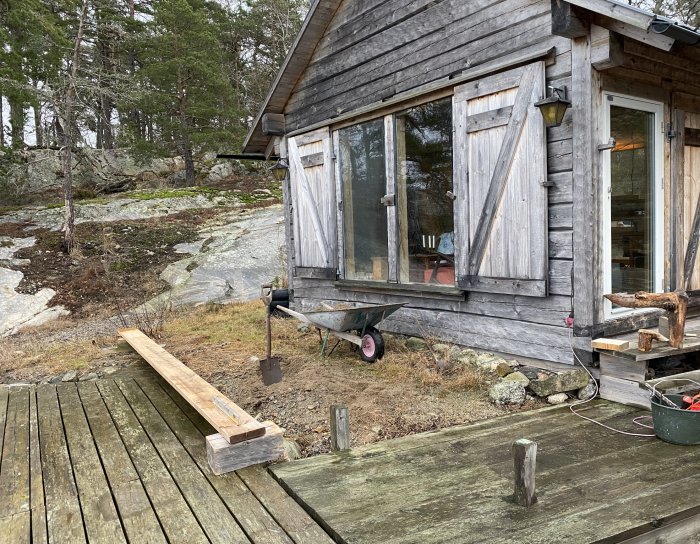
499,178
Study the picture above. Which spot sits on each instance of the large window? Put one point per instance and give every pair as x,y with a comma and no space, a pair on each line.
399,229
363,177
634,211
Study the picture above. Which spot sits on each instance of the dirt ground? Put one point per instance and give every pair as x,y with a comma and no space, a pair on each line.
117,267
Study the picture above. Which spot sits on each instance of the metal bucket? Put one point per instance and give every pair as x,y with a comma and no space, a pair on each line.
674,425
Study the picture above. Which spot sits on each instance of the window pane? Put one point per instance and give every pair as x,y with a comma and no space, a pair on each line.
632,200
363,177
424,177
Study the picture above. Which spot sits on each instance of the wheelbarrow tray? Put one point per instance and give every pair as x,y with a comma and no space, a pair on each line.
352,319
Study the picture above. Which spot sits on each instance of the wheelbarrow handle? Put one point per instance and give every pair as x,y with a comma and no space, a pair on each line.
266,293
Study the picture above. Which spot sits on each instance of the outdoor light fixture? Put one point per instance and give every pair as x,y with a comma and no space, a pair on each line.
554,107
280,169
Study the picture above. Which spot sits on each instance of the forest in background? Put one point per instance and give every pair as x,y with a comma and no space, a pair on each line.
158,77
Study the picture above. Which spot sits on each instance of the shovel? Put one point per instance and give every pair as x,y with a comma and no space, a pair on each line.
270,366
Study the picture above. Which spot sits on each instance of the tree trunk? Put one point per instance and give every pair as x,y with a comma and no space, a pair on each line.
2,124
185,143
189,161
38,127
18,116
69,120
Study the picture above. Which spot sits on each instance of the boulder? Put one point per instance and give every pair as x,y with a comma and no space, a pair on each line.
455,353
416,344
507,393
587,392
503,369
518,377
467,357
292,451
489,361
559,398
562,382
70,376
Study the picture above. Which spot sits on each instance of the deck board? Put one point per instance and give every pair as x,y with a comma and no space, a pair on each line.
120,460
455,485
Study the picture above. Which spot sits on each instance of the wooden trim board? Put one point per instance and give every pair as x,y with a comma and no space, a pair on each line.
233,423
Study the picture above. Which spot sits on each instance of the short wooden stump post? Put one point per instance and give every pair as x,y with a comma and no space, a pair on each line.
524,460
340,428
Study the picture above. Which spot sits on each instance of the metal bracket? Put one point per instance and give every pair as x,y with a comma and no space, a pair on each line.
388,200
605,147
451,195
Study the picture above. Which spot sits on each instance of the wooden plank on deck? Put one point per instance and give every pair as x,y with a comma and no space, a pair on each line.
14,472
253,517
4,395
174,514
100,515
36,479
211,513
137,515
197,391
63,515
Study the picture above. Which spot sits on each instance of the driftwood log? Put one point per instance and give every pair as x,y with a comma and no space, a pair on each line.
646,337
675,304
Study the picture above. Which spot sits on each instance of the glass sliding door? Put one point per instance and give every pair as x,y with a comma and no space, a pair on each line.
423,187
634,226
362,166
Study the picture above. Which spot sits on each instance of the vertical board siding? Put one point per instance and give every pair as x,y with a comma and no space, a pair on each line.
374,50
691,202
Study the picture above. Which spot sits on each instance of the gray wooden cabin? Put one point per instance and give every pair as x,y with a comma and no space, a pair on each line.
421,170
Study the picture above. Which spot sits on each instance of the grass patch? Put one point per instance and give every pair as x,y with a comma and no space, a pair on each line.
173,193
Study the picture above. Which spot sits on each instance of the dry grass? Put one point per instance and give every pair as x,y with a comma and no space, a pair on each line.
238,332
37,360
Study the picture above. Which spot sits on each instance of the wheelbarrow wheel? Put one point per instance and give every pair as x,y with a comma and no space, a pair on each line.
372,345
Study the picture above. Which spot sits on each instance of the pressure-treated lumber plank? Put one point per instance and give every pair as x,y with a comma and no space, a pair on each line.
254,519
224,457
216,521
36,479
176,518
4,395
195,390
100,515
63,514
14,475
138,518
610,344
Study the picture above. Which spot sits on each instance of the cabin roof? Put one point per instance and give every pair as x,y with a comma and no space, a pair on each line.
321,13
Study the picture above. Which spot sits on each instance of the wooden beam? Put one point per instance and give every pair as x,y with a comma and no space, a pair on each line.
692,137
692,250
607,48
524,461
234,426
273,124
340,428
625,14
610,344
566,22
224,457
641,35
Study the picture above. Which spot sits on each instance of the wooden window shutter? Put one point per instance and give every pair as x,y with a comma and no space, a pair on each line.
500,174
313,202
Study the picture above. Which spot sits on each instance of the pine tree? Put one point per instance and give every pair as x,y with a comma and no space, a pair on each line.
185,92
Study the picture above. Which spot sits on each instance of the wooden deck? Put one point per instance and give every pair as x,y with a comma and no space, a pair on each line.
124,460
454,486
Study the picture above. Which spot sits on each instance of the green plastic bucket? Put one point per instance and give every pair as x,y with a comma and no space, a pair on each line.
674,425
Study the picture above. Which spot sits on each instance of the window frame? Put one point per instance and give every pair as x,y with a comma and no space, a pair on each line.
657,108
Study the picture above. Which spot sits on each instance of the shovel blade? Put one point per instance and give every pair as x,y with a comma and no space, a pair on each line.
270,370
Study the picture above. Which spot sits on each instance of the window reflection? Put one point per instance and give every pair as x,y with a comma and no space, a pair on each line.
423,180
632,200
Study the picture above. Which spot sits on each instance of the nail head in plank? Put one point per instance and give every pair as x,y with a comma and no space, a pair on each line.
198,392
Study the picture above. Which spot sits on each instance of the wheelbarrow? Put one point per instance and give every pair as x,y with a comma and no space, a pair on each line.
341,322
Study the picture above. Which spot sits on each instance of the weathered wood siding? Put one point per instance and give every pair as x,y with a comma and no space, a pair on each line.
691,202
374,50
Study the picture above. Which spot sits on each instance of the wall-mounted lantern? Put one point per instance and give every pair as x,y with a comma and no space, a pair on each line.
280,169
554,107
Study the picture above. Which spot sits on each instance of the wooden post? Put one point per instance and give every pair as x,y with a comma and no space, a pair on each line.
524,460
340,428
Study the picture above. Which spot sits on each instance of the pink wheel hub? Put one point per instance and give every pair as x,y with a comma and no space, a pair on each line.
368,345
